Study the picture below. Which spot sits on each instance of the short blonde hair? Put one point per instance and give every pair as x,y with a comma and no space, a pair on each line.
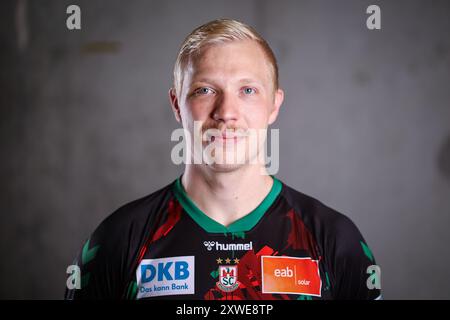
215,32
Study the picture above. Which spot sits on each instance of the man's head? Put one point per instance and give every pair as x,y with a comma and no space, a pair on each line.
226,78
218,32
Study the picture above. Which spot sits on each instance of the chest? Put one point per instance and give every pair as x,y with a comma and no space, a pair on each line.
270,262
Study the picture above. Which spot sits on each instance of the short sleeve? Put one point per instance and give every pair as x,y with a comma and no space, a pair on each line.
355,272
96,272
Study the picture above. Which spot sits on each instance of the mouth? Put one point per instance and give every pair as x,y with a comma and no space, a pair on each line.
226,137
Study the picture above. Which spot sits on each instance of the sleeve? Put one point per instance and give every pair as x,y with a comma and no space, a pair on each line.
355,272
97,271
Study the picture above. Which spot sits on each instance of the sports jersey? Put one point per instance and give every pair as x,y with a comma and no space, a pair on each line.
162,246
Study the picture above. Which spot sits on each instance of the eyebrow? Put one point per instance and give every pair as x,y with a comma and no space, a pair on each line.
204,80
242,81
249,80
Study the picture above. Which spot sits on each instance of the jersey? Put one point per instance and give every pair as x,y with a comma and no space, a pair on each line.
162,246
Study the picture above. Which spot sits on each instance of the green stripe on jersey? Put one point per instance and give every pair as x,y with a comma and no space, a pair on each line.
243,224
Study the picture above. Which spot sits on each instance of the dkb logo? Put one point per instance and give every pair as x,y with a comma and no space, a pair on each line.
165,276
164,271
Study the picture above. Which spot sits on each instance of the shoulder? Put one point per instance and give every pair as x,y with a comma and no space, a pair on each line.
328,226
346,255
134,215
106,257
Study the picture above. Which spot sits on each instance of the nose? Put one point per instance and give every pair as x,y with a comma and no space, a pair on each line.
226,108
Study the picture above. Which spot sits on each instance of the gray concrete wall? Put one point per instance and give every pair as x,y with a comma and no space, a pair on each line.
85,124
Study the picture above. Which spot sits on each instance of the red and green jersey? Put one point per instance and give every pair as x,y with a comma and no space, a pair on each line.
163,246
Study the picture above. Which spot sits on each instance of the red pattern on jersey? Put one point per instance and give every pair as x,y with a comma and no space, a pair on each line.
300,238
173,216
249,275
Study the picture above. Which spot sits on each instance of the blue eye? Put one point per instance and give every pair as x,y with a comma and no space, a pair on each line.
249,90
203,90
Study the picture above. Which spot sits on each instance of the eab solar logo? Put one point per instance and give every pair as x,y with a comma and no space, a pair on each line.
165,276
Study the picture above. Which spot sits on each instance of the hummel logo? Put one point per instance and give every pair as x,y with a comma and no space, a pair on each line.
209,244
227,246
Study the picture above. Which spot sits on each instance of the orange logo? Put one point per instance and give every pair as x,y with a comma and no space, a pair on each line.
290,275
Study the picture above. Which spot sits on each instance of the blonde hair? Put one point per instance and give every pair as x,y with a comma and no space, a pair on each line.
215,32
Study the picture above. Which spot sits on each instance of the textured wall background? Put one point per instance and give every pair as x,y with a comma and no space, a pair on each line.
85,124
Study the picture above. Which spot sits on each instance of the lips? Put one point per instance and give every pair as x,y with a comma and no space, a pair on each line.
225,136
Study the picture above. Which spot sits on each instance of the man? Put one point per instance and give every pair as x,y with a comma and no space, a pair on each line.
225,229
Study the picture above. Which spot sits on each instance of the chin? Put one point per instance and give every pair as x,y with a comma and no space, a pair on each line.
225,167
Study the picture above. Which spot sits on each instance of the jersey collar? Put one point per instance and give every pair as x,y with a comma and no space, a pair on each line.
243,224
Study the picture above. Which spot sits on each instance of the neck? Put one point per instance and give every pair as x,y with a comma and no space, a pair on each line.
226,196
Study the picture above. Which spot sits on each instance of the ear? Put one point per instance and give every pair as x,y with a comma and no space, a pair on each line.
278,100
174,104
